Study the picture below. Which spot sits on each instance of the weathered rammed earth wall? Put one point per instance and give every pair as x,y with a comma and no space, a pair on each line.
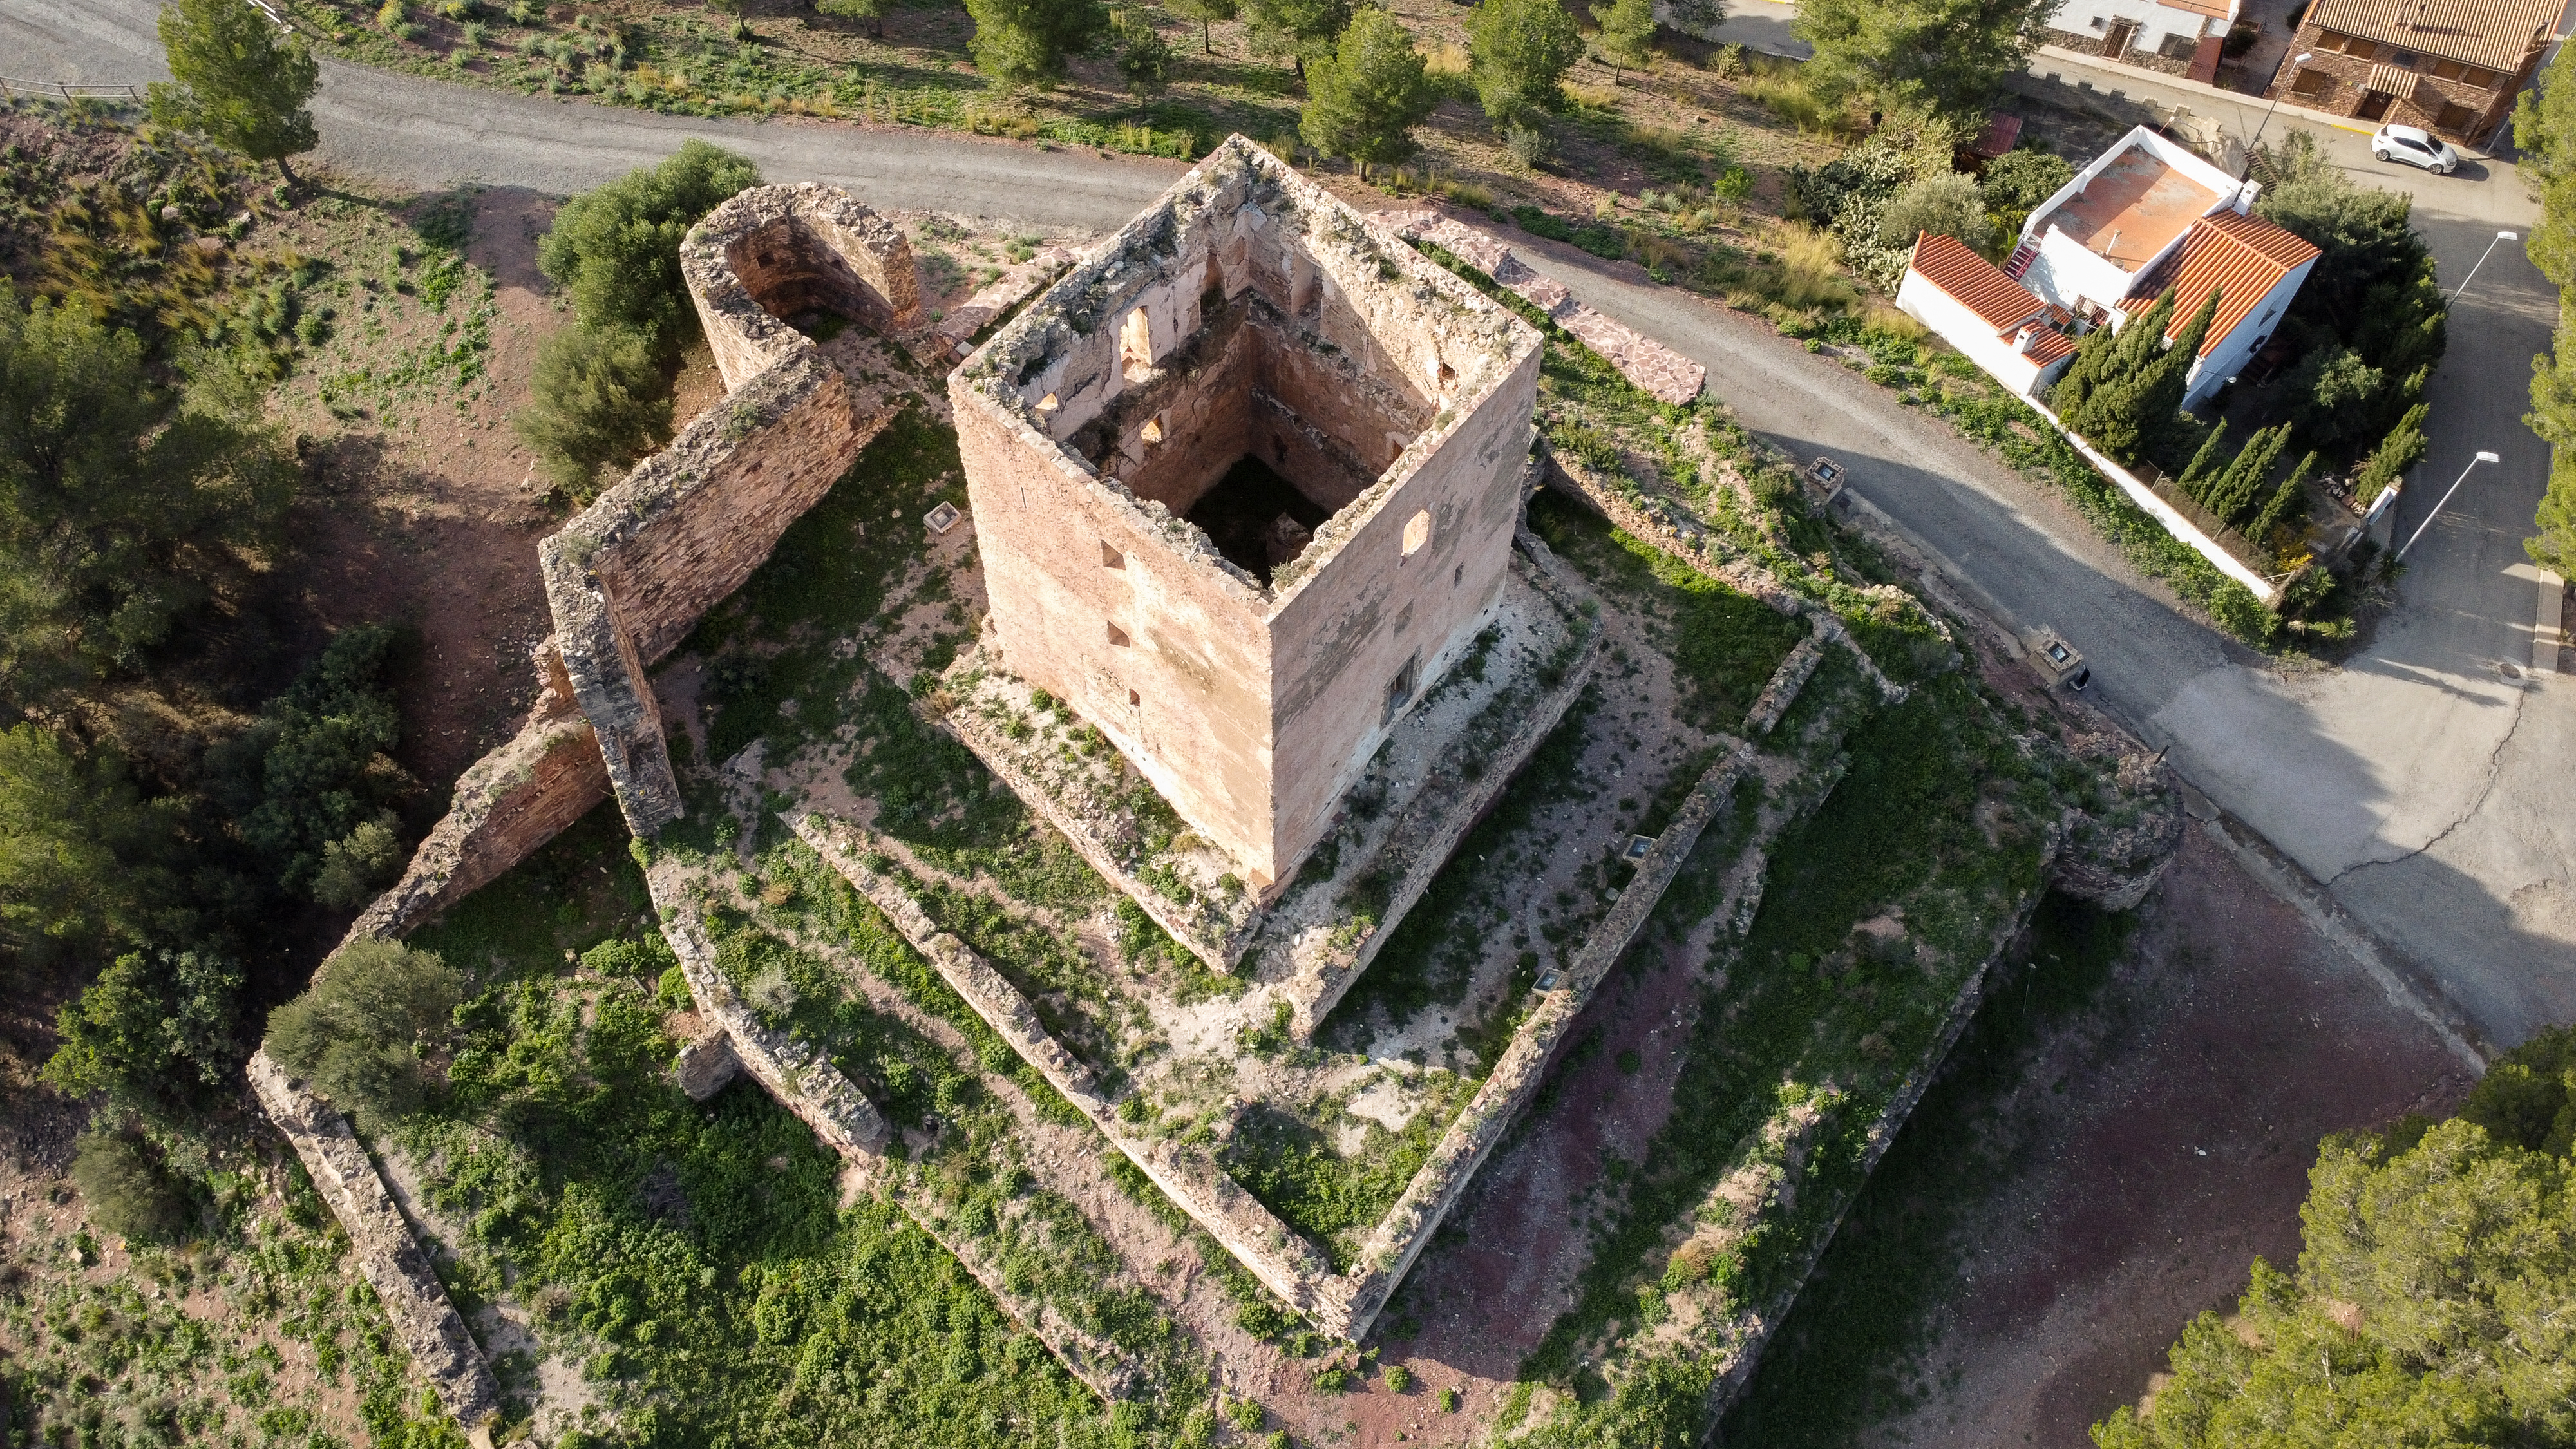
631,576
1250,709
506,805
380,1239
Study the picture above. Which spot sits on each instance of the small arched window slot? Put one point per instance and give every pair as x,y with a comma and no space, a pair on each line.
1049,403
1442,373
1117,637
1153,431
1111,558
1417,532
1134,700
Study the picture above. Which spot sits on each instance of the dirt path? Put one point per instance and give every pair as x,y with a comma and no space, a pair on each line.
2177,1150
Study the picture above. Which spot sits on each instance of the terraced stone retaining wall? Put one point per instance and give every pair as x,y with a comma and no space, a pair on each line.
380,1239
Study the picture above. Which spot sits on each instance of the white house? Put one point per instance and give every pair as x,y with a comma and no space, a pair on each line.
2148,215
1994,321
2178,37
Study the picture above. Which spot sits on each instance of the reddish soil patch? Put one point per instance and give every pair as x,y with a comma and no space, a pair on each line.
1504,1266
2169,1144
436,523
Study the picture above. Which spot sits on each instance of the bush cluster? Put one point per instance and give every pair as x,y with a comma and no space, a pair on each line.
601,397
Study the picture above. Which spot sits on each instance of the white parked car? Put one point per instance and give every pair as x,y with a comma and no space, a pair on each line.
2416,147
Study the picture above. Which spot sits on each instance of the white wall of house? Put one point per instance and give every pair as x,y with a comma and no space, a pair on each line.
1973,335
2154,23
2236,349
2073,276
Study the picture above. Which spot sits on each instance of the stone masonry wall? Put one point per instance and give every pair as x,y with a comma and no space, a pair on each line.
1248,708
380,1239
631,576
1399,1237
802,1079
507,805
775,251
1284,1262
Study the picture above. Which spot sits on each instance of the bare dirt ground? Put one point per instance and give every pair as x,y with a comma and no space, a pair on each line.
2169,1136
432,518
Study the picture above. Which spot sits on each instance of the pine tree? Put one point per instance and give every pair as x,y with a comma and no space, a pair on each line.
1519,53
1365,100
1627,33
1206,13
234,81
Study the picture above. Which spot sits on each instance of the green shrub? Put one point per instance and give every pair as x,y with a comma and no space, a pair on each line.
1398,1378
1948,204
148,1035
356,1034
127,1192
598,400
317,772
616,250
2017,181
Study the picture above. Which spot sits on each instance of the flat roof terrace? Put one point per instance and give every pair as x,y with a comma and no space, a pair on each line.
2133,208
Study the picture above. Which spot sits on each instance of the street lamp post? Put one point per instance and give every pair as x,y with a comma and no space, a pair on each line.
2500,238
2446,497
2302,58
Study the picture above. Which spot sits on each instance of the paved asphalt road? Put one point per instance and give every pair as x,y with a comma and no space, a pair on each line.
2424,784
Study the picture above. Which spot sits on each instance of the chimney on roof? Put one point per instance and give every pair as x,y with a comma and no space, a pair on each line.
2022,341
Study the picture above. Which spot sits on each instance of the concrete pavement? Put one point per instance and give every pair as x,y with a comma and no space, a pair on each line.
2422,783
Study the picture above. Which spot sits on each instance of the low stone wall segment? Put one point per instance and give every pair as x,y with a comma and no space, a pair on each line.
1399,1237
1285,1263
1437,820
1695,547
425,1323
802,1080
1738,1372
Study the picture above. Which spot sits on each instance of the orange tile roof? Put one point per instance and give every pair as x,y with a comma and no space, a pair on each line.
2496,34
2241,256
1973,282
1998,300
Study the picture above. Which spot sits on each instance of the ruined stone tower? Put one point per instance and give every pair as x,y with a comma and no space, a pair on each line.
1243,483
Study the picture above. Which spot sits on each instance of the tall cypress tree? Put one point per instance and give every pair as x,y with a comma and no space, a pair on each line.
2203,463
2233,491
2289,503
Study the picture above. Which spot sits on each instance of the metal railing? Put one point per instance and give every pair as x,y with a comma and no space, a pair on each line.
11,88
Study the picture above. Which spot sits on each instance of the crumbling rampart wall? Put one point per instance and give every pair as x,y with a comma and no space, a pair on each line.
507,805
380,1239
634,572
